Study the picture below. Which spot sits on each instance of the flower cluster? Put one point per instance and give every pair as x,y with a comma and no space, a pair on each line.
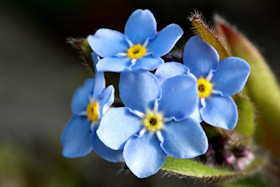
162,110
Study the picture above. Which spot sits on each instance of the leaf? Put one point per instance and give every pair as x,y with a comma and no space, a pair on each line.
261,87
246,116
194,169
208,35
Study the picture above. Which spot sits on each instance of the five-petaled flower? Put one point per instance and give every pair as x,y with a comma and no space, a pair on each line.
216,81
140,47
154,122
89,104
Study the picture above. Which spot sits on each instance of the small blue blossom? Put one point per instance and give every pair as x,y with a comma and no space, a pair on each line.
89,104
140,47
154,122
216,81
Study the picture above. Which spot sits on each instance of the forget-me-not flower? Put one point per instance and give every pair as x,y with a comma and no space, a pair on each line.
89,104
140,47
154,122
216,81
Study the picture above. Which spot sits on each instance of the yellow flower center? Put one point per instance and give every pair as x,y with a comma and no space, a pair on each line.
93,111
153,121
204,88
136,51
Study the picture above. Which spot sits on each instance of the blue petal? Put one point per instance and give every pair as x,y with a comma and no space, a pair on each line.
220,112
165,40
76,137
99,85
170,69
138,90
117,126
179,97
140,26
231,75
104,151
143,155
196,114
106,42
113,64
200,57
81,96
184,139
147,63
106,99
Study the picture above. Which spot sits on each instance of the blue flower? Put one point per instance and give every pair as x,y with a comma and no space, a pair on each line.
154,122
216,81
89,104
140,47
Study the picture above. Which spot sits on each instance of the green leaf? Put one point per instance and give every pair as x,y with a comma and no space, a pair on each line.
194,169
208,35
261,87
246,116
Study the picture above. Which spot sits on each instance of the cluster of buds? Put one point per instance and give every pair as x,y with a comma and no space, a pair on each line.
223,151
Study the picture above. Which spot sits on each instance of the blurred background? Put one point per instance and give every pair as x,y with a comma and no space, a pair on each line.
39,72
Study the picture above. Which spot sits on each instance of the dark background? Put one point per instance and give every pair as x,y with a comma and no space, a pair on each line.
39,72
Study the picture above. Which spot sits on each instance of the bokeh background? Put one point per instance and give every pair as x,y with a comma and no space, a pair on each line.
39,72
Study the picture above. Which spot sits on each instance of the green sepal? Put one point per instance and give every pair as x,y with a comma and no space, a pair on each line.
206,34
197,170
